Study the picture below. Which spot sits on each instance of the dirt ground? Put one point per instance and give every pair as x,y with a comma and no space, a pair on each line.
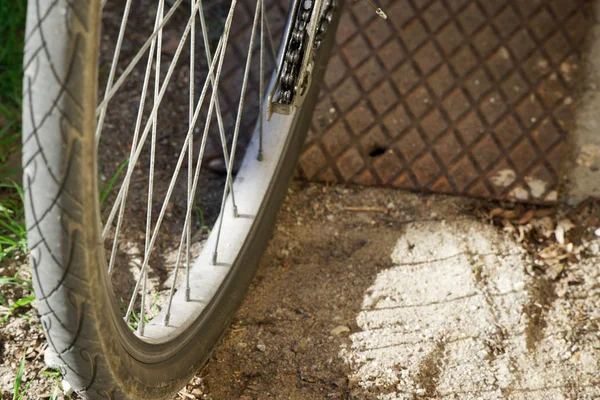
369,293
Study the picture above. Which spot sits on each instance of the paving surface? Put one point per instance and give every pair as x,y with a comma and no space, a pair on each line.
472,97
378,294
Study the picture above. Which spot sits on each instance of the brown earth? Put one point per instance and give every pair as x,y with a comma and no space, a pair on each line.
312,326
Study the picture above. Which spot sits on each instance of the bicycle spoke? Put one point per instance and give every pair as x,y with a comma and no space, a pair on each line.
160,13
191,200
190,153
153,46
154,111
219,55
113,67
261,87
138,124
237,125
114,88
272,45
217,105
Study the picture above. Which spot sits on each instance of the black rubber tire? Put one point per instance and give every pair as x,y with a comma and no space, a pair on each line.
78,312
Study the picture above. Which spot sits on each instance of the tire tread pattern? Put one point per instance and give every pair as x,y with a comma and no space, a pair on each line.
54,148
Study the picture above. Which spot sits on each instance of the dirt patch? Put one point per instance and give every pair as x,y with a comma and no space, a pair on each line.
542,295
380,294
284,341
430,370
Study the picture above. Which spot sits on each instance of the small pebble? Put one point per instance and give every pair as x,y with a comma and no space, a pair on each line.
338,330
597,232
261,347
66,386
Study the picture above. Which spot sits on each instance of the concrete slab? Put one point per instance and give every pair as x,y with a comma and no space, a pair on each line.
583,164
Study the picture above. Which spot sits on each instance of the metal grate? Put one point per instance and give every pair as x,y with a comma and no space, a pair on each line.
471,97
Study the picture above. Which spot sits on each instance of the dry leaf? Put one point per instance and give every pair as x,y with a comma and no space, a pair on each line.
510,214
554,271
528,216
496,212
545,226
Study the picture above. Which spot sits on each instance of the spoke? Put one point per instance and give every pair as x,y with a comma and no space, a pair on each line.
109,95
237,126
261,88
153,113
217,105
190,200
271,43
188,215
113,67
160,13
134,143
219,54
187,221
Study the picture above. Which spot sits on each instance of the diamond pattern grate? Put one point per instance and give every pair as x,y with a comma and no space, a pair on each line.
471,97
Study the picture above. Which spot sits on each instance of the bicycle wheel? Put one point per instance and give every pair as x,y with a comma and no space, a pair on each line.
121,115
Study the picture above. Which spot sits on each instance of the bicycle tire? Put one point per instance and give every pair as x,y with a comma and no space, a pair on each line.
67,255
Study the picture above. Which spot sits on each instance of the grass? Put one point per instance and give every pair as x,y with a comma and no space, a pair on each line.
134,318
200,220
54,374
19,393
13,238
12,28
106,189
13,245
22,294
13,235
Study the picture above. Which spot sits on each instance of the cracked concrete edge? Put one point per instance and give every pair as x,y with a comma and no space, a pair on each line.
582,163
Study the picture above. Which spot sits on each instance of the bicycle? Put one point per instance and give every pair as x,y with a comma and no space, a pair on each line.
133,300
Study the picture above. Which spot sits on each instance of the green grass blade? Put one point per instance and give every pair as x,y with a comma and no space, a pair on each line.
18,379
13,280
106,190
22,302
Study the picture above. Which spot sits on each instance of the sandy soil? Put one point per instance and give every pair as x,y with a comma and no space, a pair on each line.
370,293
380,294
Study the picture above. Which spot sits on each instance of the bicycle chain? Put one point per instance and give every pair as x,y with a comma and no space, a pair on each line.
296,47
